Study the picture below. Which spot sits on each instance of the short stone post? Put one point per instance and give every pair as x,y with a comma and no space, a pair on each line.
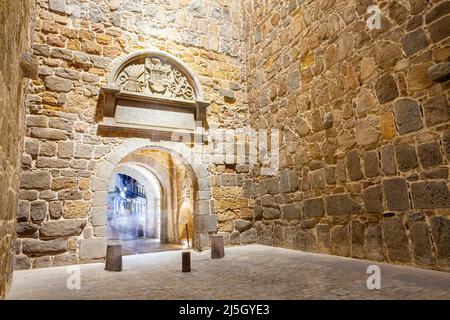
140,231
113,257
186,261
217,249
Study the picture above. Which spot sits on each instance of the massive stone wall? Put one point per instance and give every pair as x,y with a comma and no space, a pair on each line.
77,42
365,127
16,18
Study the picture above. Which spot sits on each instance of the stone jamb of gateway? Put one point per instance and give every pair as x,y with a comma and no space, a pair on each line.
205,221
154,191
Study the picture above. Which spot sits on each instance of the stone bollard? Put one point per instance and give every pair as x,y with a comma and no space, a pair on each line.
140,231
217,249
113,257
186,261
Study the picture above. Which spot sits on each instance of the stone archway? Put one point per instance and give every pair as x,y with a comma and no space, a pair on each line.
205,221
153,191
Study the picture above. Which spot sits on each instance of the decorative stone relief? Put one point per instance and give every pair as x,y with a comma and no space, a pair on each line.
157,77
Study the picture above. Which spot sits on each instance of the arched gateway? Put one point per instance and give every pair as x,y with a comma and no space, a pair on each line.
151,97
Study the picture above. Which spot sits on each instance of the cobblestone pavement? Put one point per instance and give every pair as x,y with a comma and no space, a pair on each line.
247,272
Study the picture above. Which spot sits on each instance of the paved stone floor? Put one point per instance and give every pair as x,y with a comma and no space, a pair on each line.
248,272
140,246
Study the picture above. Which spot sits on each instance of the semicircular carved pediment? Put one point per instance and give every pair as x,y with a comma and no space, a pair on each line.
155,76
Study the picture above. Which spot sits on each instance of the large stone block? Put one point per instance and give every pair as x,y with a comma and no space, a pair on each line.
407,115
420,238
386,88
38,210
439,30
291,211
396,194
39,180
374,242
371,164
406,156
430,154
396,241
387,160
340,240
50,134
373,199
430,194
323,238
358,239
436,110
313,208
306,241
248,236
74,209
340,204
34,247
242,225
440,228
354,166
61,228
26,229
94,248
58,84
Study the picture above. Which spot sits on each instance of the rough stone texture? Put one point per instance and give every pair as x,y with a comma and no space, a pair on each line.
341,95
373,199
408,117
440,227
396,241
17,22
396,194
430,194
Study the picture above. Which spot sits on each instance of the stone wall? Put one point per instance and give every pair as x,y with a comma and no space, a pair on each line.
77,42
16,18
365,127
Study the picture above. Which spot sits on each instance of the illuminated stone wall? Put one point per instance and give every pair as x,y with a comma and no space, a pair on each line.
364,125
15,39
77,42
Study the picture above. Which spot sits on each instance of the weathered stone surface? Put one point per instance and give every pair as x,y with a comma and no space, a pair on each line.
436,111
420,239
242,225
396,194
439,72
65,259
396,241
58,84
39,180
446,143
439,30
33,247
61,228
291,211
354,165
406,156
386,88
248,236
57,6
313,208
373,199
25,229
387,160
271,213
341,204
55,209
440,228
38,210
430,194
374,242
358,239
371,166
94,248
417,77
323,238
75,209
429,154
414,41
51,134
306,241
407,114
341,240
